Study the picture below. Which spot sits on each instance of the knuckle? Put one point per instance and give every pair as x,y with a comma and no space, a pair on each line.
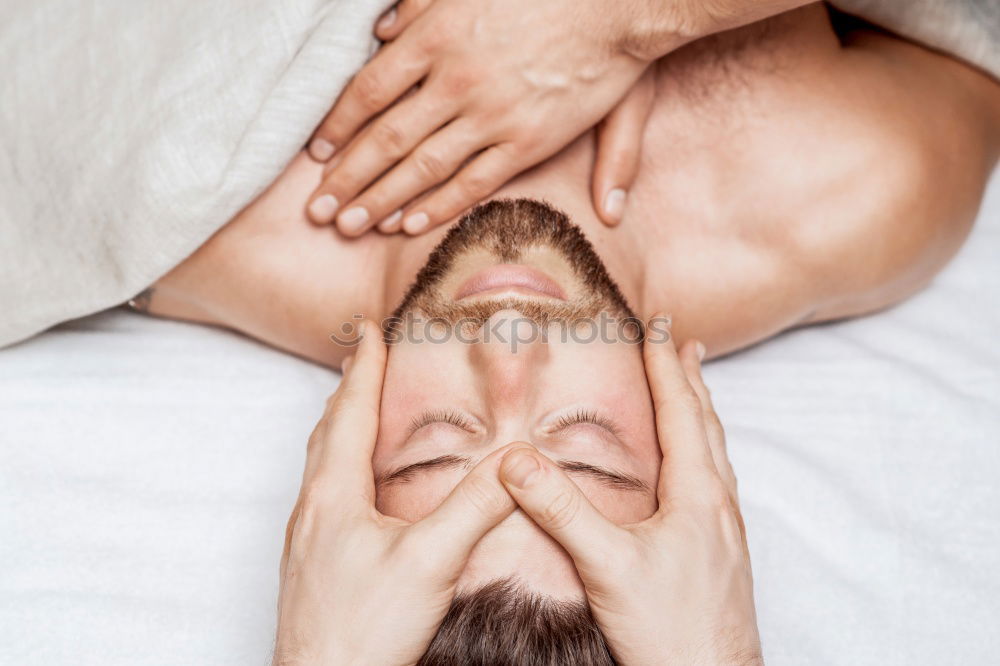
458,82
484,496
430,166
310,509
389,138
731,527
561,510
369,90
531,129
293,520
476,185
432,42
339,407
713,419
690,402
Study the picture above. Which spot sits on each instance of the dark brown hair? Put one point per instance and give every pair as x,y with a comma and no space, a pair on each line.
501,624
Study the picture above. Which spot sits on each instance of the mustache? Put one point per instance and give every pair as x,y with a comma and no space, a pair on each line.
541,312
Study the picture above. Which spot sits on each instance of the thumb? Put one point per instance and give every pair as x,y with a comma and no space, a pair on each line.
558,506
470,510
619,149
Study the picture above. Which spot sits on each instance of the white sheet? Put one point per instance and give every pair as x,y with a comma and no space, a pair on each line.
133,130
147,469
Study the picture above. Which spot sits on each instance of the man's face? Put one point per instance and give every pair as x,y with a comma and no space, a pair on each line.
532,342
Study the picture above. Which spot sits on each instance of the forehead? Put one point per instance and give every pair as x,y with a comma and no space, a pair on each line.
584,403
423,366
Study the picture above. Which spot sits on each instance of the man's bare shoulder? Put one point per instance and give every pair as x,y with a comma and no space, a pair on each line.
825,178
272,274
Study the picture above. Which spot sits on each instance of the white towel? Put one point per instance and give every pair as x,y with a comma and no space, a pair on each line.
132,130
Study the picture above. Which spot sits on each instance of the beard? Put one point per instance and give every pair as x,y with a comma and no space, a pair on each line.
506,229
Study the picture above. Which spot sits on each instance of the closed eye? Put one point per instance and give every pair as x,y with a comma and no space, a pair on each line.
440,416
586,416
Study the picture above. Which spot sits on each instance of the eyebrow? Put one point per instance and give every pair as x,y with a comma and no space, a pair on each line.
609,477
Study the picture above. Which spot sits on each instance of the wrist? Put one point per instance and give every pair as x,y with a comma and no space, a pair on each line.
654,28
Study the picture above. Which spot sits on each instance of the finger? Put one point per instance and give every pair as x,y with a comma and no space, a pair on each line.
691,357
381,145
349,427
393,223
473,508
394,70
687,466
619,149
396,20
556,504
432,162
318,437
477,180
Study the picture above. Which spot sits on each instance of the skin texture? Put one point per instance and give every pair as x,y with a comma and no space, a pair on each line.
786,178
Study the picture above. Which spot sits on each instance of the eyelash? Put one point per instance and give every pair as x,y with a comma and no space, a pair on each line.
584,416
452,418
459,421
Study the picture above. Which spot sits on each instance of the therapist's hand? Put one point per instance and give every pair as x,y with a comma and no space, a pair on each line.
503,84
473,92
358,587
676,588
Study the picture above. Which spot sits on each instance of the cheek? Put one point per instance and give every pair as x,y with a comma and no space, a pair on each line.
413,500
620,507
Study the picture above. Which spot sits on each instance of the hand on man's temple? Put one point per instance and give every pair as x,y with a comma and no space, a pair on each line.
361,587
358,587
503,85
677,587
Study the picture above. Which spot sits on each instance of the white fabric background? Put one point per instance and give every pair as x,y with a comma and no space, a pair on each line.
147,469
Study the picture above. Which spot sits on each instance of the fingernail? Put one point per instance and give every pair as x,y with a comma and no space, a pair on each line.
390,225
387,20
699,349
353,219
614,204
345,365
519,467
323,208
414,224
321,150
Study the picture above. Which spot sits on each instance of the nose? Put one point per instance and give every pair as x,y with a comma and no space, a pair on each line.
510,354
